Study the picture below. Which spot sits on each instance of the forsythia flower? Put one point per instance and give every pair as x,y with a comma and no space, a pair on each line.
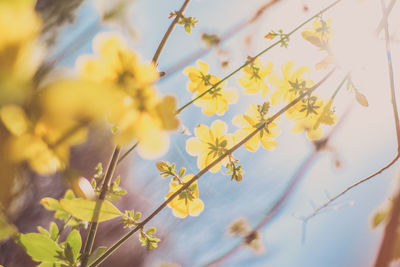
145,115
27,142
187,202
254,77
291,85
217,99
199,78
18,49
209,144
320,35
309,114
253,119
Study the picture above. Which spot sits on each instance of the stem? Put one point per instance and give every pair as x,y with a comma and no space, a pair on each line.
94,224
340,86
256,56
127,152
385,17
110,250
317,210
168,32
389,237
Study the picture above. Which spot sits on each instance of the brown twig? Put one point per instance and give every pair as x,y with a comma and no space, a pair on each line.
389,237
94,224
168,32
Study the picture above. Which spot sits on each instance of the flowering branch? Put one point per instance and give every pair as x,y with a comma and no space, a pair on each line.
256,56
281,201
110,250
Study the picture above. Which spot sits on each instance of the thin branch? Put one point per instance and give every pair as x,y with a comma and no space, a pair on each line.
389,237
327,203
385,17
94,224
168,32
110,250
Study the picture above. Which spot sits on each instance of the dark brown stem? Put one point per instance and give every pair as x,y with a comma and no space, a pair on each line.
94,224
390,234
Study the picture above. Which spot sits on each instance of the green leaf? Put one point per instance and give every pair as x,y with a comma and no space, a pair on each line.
50,203
151,231
53,229
39,247
43,231
96,254
84,208
75,241
182,172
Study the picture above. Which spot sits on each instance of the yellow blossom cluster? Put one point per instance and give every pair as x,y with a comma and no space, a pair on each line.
40,121
141,114
308,114
188,201
216,100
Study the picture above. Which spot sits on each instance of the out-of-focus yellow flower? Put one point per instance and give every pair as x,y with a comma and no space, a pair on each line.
209,144
19,53
320,35
291,85
141,115
188,201
32,142
254,77
199,78
253,119
308,117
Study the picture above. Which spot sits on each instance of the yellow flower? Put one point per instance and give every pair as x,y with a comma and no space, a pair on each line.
199,78
253,119
254,77
114,62
209,144
310,114
31,142
320,35
19,53
291,85
141,114
217,100
187,202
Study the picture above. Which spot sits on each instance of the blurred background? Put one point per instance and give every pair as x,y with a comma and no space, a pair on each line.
363,142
